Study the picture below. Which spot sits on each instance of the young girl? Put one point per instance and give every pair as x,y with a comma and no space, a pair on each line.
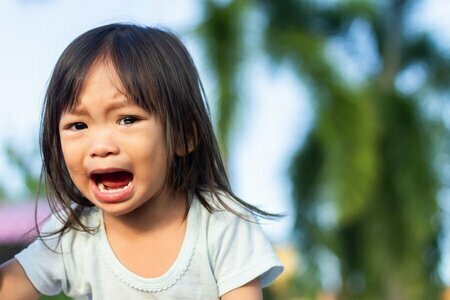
142,205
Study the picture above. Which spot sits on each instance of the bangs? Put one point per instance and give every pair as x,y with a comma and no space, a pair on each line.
137,68
71,70
130,56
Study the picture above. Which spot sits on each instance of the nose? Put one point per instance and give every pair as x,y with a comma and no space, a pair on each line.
103,145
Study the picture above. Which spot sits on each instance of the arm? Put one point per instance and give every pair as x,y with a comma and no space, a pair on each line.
250,291
14,283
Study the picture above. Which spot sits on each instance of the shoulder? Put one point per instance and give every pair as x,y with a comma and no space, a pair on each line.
226,216
53,241
51,235
228,222
54,260
238,249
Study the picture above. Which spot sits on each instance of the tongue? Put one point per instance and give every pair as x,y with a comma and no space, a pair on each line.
116,179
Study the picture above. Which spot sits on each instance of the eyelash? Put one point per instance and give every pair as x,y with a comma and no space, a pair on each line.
73,126
130,119
126,121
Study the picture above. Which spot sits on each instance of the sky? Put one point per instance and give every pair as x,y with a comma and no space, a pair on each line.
273,119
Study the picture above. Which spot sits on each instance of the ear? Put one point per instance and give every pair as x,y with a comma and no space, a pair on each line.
181,151
192,143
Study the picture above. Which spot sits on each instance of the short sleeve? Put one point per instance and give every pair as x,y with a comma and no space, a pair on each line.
240,252
43,262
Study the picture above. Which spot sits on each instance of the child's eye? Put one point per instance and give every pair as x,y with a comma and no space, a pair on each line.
77,126
128,120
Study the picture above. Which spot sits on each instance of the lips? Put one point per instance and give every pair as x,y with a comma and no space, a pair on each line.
112,185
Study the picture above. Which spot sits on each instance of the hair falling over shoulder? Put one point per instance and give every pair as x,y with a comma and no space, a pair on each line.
159,75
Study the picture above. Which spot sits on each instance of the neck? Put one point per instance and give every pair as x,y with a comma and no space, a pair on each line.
167,210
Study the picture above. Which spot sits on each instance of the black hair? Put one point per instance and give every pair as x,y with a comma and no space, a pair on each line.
159,75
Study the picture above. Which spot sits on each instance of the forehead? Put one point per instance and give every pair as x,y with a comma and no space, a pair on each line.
102,76
101,81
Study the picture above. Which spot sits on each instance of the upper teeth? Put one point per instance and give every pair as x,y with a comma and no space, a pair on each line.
104,188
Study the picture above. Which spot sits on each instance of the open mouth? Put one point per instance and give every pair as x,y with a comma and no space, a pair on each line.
114,186
114,181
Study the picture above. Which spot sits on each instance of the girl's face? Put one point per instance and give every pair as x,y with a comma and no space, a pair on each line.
114,150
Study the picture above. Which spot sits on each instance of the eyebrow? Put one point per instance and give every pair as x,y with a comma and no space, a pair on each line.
112,105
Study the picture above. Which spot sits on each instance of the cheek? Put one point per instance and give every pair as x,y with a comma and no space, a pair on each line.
146,148
151,161
154,158
72,158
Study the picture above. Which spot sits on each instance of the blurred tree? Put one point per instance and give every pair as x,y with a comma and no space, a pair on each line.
23,165
368,157
365,183
221,32
2,194
27,169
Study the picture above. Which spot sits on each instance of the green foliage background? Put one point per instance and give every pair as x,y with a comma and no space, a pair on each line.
371,155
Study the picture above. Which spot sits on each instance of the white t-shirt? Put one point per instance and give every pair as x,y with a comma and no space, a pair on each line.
220,252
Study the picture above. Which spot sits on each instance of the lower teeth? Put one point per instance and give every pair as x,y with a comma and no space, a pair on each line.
104,188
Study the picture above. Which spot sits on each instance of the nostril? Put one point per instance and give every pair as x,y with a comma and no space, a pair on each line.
104,150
